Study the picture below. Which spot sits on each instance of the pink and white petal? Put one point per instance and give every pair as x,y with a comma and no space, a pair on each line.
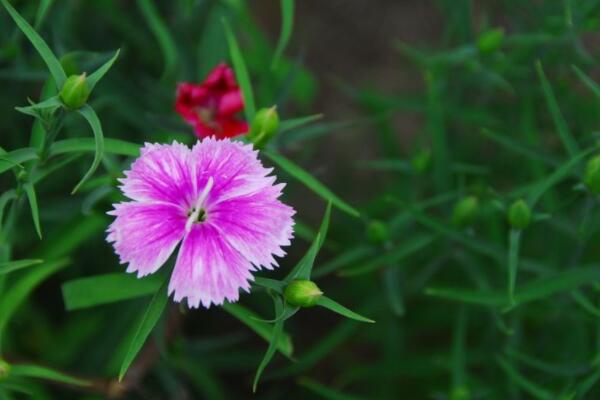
257,225
145,235
208,270
161,174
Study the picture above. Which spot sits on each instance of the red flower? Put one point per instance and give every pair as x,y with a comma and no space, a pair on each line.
211,106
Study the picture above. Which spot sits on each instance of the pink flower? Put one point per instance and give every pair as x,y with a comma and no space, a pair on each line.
211,107
218,201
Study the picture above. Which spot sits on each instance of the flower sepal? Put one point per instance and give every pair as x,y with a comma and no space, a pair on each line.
75,92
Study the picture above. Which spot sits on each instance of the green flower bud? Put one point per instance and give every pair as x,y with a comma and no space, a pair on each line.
465,211
421,161
4,369
591,177
519,215
490,40
264,126
302,293
75,92
377,232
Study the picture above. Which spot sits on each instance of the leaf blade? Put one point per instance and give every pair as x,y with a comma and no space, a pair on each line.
90,116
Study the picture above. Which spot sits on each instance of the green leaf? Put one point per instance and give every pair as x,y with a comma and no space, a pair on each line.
20,290
33,205
330,304
514,241
34,110
405,249
111,146
272,284
517,147
10,266
90,116
585,303
262,329
147,323
108,288
477,297
36,371
161,33
49,58
95,77
547,183
241,72
587,81
561,126
15,157
290,124
303,269
308,180
354,255
277,332
5,198
42,12
287,24
533,389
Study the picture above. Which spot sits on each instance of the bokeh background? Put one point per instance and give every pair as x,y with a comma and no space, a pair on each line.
424,103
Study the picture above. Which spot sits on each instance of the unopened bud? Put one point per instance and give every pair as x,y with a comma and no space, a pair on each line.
377,232
4,370
264,126
302,293
490,40
465,211
519,215
591,177
75,91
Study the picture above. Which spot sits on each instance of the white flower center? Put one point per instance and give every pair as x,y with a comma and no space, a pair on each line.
198,211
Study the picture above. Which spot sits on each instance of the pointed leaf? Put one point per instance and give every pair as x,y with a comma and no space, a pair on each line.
161,32
108,288
15,157
287,24
290,124
310,182
587,81
33,205
5,198
49,58
332,305
147,323
36,371
241,72
533,389
277,332
90,116
95,77
272,284
34,110
10,266
111,146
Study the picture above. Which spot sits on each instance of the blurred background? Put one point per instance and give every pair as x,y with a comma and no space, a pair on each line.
437,116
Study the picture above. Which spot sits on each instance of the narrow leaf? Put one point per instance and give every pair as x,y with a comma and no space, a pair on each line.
15,157
308,180
161,32
324,392
5,198
287,24
49,58
330,304
105,289
277,331
10,266
241,72
272,284
533,389
34,110
111,146
33,205
587,81
36,371
147,323
291,124
90,116
95,76
514,241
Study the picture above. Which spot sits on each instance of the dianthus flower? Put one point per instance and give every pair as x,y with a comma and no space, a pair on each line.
211,107
218,200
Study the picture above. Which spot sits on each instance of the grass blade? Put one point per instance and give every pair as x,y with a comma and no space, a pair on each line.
313,184
10,266
105,289
241,72
33,205
56,70
287,24
332,305
147,323
561,126
90,116
587,81
161,33
95,76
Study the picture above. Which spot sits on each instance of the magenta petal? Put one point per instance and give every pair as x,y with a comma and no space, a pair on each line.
231,103
145,235
160,174
208,270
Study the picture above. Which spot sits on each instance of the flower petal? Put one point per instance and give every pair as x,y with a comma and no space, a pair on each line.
161,174
145,235
208,270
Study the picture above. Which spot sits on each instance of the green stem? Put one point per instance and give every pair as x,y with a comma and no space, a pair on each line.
514,242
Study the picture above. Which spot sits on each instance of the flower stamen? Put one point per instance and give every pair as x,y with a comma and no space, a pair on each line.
198,214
